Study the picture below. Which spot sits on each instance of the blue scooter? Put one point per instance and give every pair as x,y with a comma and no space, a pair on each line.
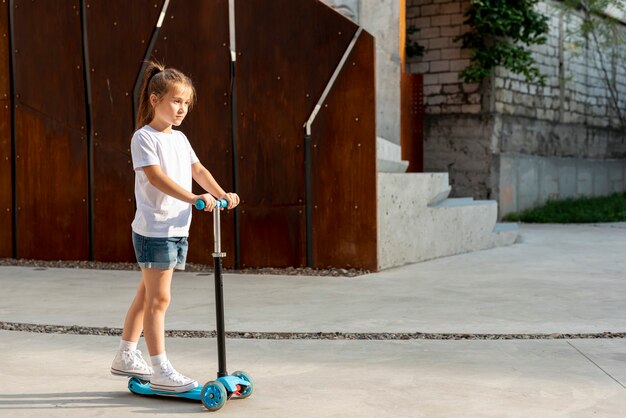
213,394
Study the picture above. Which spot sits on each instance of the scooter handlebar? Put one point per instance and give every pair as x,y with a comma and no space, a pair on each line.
219,203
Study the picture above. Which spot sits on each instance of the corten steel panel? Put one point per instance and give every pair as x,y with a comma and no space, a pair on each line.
5,73
284,247
6,180
118,33
52,221
412,121
195,39
287,52
50,140
48,60
344,166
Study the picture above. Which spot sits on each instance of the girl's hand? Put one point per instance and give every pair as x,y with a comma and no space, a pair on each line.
231,198
208,200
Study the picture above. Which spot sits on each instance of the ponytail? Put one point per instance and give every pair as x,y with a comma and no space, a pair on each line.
158,80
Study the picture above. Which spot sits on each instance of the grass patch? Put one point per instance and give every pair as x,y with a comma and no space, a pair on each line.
572,211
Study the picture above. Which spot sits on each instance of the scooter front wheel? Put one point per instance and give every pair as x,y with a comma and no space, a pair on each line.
213,395
244,376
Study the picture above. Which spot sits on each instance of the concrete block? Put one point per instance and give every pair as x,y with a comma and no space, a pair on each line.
616,176
440,66
548,180
440,20
459,65
504,233
420,22
451,89
450,30
600,179
450,53
507,186
432,55
439,43
451,8
584,179
419,67
430,10
431,79
567,179
431,32
449,78
417,222
388,166
471,108
528,187
555,178
616,186
388,150
388,157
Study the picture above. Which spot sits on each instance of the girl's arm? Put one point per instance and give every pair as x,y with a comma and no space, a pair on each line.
161,181
205,179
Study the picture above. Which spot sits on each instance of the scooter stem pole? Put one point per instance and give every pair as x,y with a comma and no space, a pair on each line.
219,295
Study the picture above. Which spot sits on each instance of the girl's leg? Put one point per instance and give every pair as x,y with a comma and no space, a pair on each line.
128,360
157,285
133,324
158,295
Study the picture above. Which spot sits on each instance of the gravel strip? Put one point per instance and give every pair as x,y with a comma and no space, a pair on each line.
380,336
189,267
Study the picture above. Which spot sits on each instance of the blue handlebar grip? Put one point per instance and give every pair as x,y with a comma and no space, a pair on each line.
200,205
220,203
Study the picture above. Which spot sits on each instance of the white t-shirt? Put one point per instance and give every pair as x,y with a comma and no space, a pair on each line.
160,215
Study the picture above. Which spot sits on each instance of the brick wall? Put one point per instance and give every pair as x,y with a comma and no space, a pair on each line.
439,21
471,129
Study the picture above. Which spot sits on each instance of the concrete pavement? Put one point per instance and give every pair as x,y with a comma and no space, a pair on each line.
559,279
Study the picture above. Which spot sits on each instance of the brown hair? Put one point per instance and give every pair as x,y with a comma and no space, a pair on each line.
158,80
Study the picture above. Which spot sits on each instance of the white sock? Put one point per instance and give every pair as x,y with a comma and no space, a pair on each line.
128,345
158,360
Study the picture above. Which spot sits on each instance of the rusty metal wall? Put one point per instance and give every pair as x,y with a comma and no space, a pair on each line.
195,39
287,52
344,166
113,72
6,159
412,121
51,145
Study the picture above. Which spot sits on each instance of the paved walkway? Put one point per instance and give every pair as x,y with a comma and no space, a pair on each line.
557,280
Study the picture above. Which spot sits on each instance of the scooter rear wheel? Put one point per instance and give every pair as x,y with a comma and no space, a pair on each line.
213,395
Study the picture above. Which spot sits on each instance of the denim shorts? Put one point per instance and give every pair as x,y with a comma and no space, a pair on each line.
160,253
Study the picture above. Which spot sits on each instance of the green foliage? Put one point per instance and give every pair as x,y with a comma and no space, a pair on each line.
412,48
599,31
582,210
501,32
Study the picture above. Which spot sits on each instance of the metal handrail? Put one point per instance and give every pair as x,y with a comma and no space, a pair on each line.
331,82
307,147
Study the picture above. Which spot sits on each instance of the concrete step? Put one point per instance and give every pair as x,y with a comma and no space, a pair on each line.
502,227
505,233
417,221
387,166
453,202
389,157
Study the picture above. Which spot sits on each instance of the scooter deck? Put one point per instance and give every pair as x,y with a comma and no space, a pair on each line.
141,388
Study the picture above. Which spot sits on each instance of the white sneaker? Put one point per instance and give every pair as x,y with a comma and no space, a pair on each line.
131,363
167,379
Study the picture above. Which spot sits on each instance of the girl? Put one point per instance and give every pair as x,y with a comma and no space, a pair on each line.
164,165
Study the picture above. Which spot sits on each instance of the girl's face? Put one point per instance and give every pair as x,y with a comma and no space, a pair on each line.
172,108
